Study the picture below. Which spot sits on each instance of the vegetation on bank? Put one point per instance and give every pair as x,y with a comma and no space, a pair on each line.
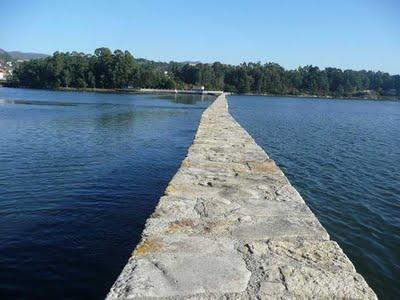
119,69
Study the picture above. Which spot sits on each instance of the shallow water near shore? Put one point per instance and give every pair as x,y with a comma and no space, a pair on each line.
343,156
79,175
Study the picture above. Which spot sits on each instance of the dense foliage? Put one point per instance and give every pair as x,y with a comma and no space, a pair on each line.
118,69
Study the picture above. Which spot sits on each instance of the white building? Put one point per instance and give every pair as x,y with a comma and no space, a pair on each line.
2,75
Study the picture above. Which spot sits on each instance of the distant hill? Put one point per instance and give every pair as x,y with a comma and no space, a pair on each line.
4,55
15,55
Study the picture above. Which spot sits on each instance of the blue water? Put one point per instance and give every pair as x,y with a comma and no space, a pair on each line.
81,172
344,158
79,175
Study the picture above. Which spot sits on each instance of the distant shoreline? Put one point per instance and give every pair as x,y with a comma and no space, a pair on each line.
205,92
322,96
143,91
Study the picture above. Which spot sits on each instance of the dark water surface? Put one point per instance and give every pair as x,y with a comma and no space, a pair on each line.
81,172
79,175
343,156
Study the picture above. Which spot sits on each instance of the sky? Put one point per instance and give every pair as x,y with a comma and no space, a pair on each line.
349,34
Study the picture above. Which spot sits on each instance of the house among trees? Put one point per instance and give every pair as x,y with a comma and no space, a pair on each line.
3,74
198,88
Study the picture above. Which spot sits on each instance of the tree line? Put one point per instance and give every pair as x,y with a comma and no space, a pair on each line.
119,69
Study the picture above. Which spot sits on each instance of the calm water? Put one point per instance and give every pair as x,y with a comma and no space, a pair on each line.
344,158
81,172
79,175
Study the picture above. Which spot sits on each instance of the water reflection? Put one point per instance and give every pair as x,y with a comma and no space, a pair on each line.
187,98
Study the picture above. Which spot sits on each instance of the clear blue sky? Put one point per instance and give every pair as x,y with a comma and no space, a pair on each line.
357,34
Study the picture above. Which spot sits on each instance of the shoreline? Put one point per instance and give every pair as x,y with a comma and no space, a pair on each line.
380,98
205,92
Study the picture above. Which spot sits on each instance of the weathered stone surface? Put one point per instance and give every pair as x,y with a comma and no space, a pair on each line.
178,265
306,269
231,226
